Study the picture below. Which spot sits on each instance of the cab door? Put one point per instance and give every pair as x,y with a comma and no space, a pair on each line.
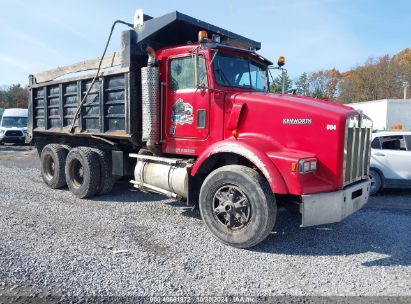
187,108
390,155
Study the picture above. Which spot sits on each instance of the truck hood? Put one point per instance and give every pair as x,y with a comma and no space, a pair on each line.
295,103
295,124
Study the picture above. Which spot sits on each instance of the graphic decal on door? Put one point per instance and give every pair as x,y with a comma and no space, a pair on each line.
182,113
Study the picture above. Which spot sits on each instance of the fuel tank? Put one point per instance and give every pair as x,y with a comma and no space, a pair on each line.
168,177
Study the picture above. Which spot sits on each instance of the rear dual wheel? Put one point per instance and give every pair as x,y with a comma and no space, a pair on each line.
107,179
89,172
53,160
82,172
86,171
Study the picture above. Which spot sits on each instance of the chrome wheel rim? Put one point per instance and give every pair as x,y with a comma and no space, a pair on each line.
231,207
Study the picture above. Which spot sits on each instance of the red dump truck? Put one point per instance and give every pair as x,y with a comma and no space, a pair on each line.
185,108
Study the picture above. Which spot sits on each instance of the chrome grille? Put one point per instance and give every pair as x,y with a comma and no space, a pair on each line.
357,148
13,133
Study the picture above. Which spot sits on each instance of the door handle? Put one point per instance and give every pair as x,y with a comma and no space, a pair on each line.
379,154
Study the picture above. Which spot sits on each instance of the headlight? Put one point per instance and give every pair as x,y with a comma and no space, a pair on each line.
2,132
307,165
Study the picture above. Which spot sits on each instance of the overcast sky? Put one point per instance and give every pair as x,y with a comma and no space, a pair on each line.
311,34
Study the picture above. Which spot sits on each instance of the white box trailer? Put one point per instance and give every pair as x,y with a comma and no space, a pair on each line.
387,114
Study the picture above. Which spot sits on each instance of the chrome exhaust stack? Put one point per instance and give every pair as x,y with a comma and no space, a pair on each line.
150,87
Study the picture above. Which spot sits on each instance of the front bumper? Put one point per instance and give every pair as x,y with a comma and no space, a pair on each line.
13,139
332,207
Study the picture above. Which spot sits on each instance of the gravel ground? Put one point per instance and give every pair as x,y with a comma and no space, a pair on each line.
130,243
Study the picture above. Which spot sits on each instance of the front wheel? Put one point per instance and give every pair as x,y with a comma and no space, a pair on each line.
238,206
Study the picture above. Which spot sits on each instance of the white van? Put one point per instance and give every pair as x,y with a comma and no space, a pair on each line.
13,126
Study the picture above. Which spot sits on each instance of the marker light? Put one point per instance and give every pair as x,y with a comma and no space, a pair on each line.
236,133
281,61
293,167
397,127
202,37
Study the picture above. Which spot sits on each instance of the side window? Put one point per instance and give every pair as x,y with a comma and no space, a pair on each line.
393,143
258,77
202,73
244,80
375,144
182,73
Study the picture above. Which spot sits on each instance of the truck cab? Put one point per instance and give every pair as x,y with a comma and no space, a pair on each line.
228,102
195,106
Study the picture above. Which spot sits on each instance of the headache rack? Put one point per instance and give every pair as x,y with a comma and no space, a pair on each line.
357,150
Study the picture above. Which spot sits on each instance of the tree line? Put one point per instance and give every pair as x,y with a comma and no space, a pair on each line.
14,96
377,78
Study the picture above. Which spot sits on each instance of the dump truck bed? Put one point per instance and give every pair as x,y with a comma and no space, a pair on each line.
111,109
108,109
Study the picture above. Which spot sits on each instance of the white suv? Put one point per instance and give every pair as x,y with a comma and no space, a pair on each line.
390,165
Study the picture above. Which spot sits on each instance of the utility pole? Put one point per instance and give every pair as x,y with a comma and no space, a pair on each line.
405,85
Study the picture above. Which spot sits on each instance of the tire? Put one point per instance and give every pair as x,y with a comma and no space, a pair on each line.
376,182
67,148
53,160
82,172
106,176
250,222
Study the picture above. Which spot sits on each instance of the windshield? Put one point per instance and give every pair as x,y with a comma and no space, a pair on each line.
20,122
242,72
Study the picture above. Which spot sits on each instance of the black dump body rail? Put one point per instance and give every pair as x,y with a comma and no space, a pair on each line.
176,28
112,110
